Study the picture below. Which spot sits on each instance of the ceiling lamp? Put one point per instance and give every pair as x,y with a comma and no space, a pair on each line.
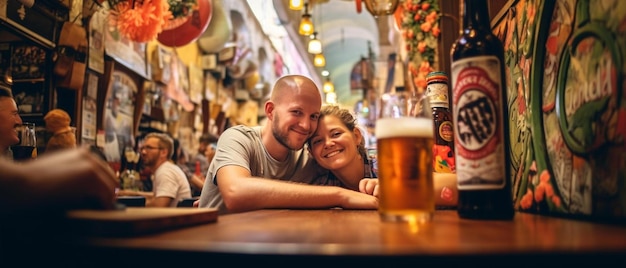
296,4
306,25
381,7
319,60
328,86
331,97
315,46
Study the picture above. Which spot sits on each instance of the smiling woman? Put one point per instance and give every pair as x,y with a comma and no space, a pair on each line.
338,145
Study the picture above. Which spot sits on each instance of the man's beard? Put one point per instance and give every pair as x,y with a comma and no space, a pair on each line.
282,139
149,163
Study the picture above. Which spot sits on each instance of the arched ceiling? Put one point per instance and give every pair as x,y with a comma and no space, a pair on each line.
344,33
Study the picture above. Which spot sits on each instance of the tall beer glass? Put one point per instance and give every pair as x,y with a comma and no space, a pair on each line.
404,134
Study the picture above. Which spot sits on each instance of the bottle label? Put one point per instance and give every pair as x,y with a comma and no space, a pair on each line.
477,116
446,131
437,94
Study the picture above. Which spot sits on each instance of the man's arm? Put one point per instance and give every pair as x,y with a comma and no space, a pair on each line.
61,180
196,181
242,192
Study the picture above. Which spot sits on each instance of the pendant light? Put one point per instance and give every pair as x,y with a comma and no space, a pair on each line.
381,7
306,25
315,46
328,86
319,60
331,97
296,4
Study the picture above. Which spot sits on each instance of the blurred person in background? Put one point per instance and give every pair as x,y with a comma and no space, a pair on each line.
9,121
169,182
196,180
204,143
211,149
193,172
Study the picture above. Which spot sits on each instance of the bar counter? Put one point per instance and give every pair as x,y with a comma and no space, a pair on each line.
357,237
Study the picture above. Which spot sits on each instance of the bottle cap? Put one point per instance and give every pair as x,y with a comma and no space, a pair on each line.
437,76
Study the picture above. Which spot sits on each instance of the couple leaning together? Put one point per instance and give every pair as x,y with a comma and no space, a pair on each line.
269,166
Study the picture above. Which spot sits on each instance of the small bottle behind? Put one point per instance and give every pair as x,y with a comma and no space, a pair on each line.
443,148
198,170
129,176
480,117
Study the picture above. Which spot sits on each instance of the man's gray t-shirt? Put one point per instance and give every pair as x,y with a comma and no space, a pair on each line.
242,146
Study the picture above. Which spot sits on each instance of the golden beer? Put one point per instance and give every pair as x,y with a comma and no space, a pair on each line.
405,170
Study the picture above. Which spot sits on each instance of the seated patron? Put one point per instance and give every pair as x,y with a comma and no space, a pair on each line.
9,121
169,182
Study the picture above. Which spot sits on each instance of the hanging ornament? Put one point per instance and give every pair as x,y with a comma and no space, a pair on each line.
219,30
181,11
191,29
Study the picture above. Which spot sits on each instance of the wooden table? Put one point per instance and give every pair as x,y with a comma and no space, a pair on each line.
353,237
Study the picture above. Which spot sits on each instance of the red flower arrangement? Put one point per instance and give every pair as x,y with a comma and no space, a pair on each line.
139,21
420,30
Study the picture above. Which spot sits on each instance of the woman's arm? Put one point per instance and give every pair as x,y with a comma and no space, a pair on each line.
446,193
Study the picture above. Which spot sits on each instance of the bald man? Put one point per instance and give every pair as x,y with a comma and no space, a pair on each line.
268,167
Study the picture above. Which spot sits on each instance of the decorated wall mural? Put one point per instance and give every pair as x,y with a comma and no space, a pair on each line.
565,67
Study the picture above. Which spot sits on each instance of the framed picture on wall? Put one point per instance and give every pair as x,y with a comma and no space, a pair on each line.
89,112
126,52
28,62
31,98
119,114
5,61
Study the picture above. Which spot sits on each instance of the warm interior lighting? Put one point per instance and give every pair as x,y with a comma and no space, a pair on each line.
315,46
328,86
296,4
306,25
381,7
331,97
319,60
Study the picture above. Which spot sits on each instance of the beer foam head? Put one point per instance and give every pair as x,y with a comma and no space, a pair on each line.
404,127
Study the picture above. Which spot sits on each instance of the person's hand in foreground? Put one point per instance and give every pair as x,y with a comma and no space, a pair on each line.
69,179
369,186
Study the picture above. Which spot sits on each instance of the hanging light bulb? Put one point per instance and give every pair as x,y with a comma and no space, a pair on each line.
381,7
296,4
315,46
328,86
319,60
306,25
331,97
